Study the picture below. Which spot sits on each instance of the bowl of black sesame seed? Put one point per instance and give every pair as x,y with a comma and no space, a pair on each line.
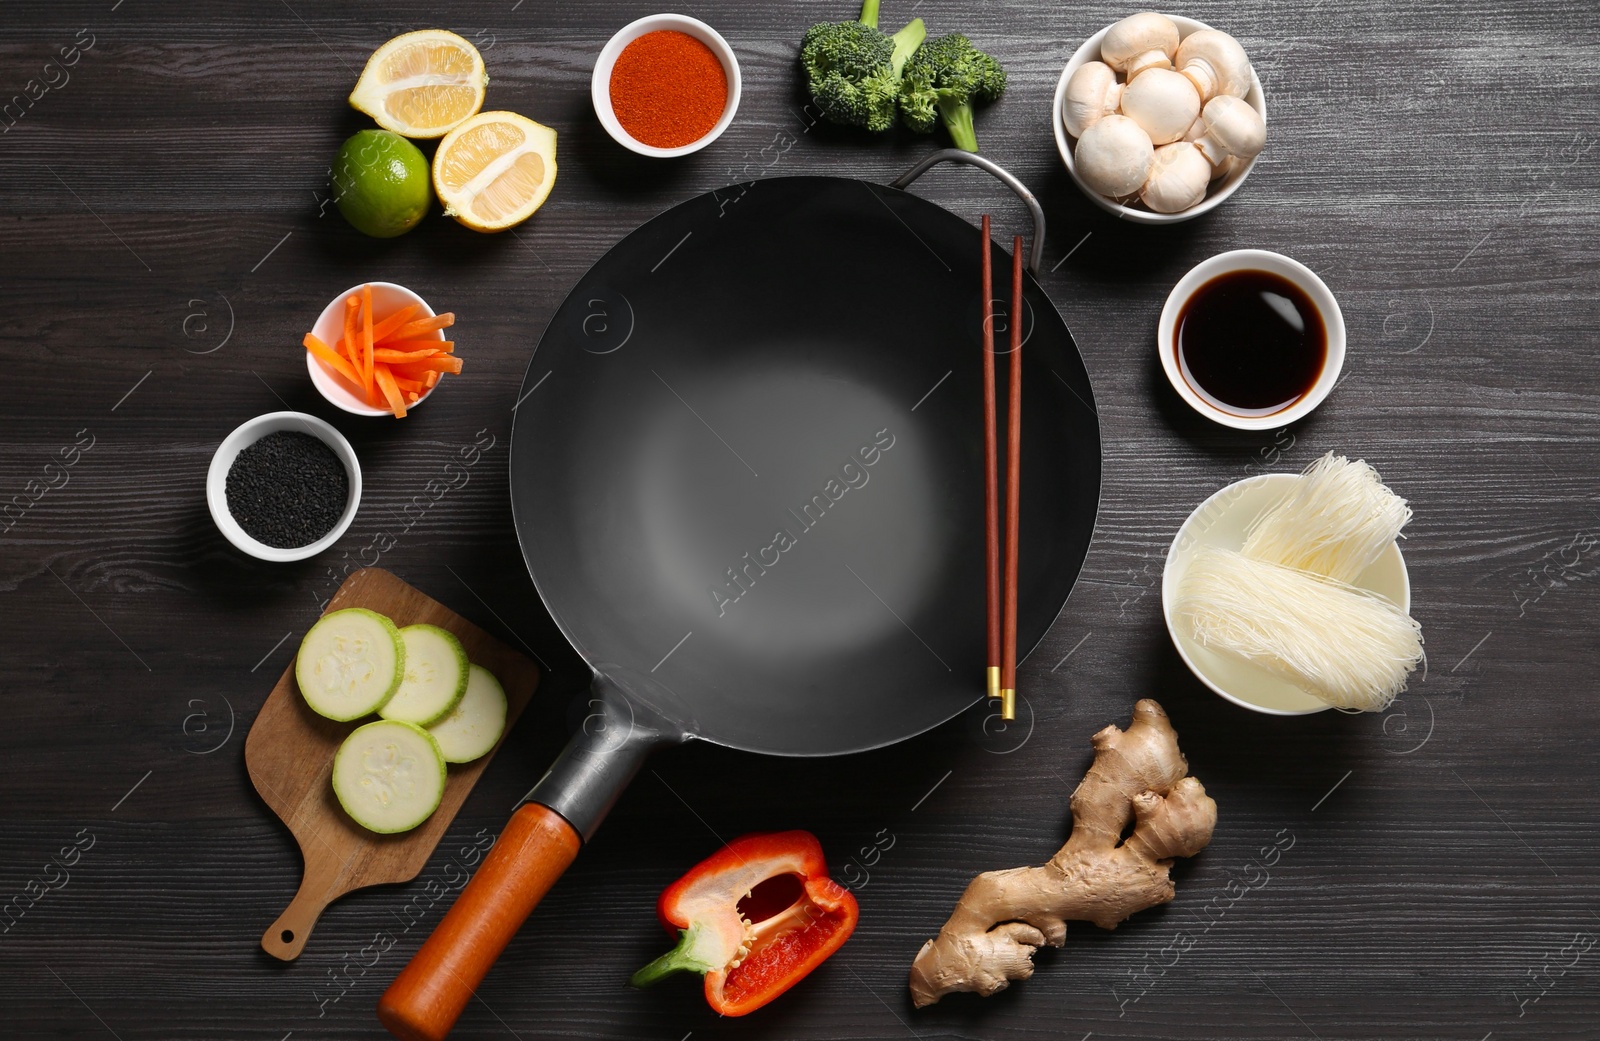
283,486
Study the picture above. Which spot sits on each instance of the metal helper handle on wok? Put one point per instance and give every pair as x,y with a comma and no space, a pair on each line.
1000,173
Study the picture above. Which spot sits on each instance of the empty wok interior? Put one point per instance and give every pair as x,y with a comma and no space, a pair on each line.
749,465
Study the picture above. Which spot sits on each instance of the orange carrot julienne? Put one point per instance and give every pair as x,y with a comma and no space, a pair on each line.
366,333
436,363
391,357
430,379
425,325
342,378
391,392
447,346
384,329
347,349
408,385
325,354
352,309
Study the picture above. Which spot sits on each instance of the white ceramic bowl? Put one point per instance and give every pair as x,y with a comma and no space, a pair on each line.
1221,522
600,81
250,432
387,297
1219,190
1253,260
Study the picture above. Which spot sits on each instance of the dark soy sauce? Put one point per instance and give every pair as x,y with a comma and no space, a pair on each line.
1250,342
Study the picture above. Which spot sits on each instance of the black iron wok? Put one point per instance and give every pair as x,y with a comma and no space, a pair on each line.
747,477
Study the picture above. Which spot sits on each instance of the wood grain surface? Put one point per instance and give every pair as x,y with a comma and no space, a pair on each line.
164,244
289,755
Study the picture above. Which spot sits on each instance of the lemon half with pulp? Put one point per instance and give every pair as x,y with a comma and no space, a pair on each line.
422,84
495,170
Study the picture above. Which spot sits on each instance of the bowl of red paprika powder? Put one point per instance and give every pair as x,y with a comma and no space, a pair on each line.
666,85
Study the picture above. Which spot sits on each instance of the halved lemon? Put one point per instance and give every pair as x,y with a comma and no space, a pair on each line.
421,84
495,170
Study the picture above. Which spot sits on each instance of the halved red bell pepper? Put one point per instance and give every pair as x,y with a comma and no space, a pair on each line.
755,918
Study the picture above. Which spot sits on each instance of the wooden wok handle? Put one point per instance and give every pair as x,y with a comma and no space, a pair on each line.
423,1002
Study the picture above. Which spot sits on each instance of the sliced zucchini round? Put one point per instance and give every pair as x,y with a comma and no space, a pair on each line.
476,723
350,663
435,676
389,776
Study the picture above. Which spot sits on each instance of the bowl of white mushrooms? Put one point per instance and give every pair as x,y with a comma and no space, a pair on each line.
1159,118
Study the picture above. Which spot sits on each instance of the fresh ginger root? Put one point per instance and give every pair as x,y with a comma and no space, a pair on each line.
1138,775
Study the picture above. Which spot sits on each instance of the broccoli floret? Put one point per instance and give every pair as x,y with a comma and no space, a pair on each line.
943,79
854,69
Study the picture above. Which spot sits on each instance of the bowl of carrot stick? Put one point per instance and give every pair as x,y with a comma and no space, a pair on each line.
378,349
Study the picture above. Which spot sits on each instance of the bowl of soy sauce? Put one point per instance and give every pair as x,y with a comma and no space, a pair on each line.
1251,339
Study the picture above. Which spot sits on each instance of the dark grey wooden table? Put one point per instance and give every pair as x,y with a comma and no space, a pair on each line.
164,242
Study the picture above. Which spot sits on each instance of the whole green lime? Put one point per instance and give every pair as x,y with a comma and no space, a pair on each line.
381,182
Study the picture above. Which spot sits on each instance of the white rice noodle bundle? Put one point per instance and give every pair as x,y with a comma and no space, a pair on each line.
1336,521
1347,646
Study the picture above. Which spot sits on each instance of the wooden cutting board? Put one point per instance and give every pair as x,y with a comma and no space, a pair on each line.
289,755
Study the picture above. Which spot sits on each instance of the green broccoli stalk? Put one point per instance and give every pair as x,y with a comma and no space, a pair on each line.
943,79
853,69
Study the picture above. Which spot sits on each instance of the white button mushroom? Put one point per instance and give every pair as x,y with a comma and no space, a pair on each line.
1140,41
1092,92
1179,174
1224,168
1228,128
1164,103
1114,156
1215,63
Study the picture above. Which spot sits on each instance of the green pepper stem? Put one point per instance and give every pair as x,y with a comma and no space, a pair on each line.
682,958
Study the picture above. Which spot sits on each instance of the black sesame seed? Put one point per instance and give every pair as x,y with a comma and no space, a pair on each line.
287,489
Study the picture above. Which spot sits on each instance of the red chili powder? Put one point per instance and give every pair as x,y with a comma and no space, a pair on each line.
668,89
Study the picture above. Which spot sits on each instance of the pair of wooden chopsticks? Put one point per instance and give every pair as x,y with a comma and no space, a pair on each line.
1001,605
